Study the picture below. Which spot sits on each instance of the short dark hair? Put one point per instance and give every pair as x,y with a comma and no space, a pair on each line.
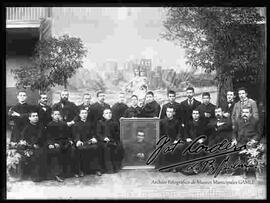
190,88
42,93
99,92
21,91
107,109
134,96
196,110
82,109
31,112
206,94
242,88
170,107
54,110
150,93
230,90
171,92
246,107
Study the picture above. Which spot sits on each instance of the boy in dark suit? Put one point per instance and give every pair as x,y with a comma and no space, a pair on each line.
194,129
88,152
59,145
108,134
207,109
170,127
151,108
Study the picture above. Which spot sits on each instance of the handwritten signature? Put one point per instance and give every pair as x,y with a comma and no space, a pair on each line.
223,148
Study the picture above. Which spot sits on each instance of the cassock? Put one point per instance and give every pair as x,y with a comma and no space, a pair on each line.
88,155
171,128
187,109
34,134
58,132
44,114
178,111
118,110
21,121
96,113
133,112
85,107
151,109
112,151
209,108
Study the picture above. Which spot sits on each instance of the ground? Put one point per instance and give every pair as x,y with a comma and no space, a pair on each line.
142,184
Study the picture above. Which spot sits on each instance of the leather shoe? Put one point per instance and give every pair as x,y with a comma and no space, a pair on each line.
98,173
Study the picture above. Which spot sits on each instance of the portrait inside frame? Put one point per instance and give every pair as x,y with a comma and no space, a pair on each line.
139,137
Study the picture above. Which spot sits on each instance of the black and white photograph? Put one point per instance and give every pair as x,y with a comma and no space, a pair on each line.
135,102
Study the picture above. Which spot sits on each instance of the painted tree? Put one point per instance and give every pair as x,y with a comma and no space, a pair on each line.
222,39
55,60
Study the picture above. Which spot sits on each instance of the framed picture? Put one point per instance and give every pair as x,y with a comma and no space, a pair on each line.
139,137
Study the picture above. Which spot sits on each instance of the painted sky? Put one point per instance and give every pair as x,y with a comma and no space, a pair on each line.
119,34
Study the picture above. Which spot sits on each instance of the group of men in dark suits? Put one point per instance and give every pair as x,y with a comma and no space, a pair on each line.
236,122
70,140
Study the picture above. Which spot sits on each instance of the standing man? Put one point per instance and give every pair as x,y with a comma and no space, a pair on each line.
44,110
207,109
243,103
67,109
19,114
86,102
108,134
246,132
227,106
178,111
119,108
96,110
188,106
151,107
85,105
134,111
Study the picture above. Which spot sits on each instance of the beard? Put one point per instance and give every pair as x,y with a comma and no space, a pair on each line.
64,100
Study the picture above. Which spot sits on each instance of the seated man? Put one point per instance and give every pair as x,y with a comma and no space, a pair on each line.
88,153
59,146
151,108
170,127
108,133
134,110
33,134
246,132
220,129
194,129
